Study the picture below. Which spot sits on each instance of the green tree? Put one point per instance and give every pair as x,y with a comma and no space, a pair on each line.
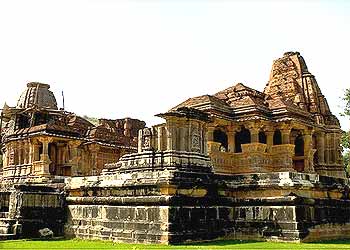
346,134
93,120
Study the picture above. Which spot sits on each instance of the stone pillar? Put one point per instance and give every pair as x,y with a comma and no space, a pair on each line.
73,146
269,140
35,150
44,157
20,152
45,147
26,152
254,135
139,141
308,152
231,133
160,138
11,153
183,138
210,132
320,147
307,142
5,156
285,135
205,140
326,153
94,148
337,154
171,137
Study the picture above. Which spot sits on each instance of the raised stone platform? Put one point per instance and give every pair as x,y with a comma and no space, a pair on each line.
164,206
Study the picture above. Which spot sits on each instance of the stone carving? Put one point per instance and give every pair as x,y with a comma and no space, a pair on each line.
196,147
146,139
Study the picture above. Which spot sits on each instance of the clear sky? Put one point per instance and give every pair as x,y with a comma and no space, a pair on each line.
116,59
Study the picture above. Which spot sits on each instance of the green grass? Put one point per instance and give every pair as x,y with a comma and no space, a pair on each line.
225,244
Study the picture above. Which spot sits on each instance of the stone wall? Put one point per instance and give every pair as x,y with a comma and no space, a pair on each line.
27,209
165,206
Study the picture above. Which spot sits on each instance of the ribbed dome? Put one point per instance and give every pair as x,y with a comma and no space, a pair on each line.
37,95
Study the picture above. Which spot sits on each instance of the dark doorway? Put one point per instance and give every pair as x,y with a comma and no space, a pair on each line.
262,137
277,137
299,146
220,136
242,137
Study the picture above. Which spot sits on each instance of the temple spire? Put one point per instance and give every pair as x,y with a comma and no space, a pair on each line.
291,80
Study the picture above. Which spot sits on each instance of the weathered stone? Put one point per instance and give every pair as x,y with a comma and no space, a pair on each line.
240,164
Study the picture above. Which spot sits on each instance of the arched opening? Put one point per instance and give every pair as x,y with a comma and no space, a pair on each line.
262,137
277,137
220,136
22,121
298,159
299,145
242,137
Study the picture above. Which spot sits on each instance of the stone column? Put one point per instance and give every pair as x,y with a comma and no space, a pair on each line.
5,156
44,157
285,135
20,152
269,140
183,138
205,140
94,148
159,138
337,149
254,135
26,152
171,137
139,141
231,133
320,147
73,146
35,150
210,132
307,142
212,147
326,153
11,154
45,148
168,138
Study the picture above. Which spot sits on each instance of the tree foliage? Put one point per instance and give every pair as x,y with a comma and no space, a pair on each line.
346,98
93,120
346,134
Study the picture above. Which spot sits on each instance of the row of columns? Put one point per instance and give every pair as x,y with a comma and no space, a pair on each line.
254,137
178,134
323,140
26,152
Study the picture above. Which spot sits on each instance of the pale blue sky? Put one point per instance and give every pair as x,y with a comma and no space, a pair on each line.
137,58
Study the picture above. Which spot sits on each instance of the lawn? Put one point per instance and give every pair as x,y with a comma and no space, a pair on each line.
225,244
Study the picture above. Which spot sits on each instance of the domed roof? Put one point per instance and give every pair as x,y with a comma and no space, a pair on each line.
37,95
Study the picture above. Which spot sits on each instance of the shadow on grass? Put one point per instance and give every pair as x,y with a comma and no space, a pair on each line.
45,239
217,243
340,241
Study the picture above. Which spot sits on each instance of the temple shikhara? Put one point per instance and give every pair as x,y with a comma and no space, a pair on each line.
239,164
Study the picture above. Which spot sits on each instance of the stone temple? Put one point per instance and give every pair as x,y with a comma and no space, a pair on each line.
238,164
42,143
